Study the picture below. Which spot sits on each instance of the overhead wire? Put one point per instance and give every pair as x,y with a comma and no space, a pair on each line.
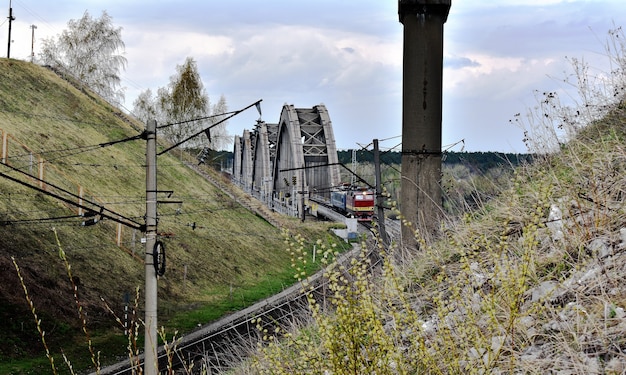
37,16
394,137
59,118
100,165
38,220
222,234
72,247
79,149
49,211
74,151
126,200
108,214
208,210
231,115
196,119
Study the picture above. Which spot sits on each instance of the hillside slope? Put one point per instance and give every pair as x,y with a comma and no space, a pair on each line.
216,249
530,282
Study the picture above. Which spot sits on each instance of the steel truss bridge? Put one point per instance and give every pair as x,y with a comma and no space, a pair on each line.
282,164
278,164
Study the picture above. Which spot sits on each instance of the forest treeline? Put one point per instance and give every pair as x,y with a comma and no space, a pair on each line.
477,162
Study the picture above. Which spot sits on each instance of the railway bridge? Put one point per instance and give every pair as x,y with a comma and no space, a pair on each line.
277,163
282,163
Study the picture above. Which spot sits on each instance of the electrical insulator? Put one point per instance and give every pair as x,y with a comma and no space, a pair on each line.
293,180
91,218
90,222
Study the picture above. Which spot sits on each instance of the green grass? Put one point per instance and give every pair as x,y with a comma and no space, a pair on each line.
223,300
227,300
50,118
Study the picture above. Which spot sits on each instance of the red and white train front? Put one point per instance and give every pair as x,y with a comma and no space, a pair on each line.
360,203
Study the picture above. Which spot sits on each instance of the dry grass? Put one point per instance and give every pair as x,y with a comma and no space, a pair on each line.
230,251
531,283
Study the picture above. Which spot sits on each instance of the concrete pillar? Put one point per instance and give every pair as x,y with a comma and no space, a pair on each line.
421,196
237,160
246,161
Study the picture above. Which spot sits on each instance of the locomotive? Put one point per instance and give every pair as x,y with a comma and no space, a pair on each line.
354,202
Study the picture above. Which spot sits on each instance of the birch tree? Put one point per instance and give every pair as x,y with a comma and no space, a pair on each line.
184,105
219,134
187,100
90,49
144,107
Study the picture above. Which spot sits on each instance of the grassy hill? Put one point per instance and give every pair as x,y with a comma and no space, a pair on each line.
530,282
220,256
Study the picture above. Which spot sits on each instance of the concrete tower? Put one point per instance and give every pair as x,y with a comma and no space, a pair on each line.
421,196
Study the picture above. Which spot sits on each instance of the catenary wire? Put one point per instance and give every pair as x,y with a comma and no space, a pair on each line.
114,215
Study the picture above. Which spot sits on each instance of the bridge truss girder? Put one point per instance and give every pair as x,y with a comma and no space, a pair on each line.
263,160
306,153
284,162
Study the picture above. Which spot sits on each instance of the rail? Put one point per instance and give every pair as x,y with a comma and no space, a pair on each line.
223,343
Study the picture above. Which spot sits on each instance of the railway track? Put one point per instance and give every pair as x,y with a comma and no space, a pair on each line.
220,345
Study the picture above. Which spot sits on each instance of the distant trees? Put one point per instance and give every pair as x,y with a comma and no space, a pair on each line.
478,161
183,100
469,178
91,50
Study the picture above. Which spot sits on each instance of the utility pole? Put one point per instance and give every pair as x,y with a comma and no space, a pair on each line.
379,198
354,165
151,365
11,19
32,44
422,81
302,192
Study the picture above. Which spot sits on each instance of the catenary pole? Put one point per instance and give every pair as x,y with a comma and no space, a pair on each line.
151,366
379,196
32,43
11,19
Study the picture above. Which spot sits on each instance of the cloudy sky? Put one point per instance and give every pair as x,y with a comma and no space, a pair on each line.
347,55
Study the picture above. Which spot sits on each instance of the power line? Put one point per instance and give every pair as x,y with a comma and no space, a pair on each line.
233,114
98,165
103,212
32,13
328,165
222,233
65,119
80,149
38,220
196,119
47,212
206,211
394,137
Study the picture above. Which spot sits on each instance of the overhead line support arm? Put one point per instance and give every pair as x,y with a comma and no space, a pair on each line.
115,217
212,126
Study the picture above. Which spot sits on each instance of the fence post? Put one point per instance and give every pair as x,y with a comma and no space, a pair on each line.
81,191
41,173
5,145
118,235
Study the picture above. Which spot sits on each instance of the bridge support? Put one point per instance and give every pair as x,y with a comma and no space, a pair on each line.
421,195
306,155
247,155
290,159
264,155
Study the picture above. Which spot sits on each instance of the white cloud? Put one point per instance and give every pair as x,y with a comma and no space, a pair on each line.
347,55
488,73
300,59
162,51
